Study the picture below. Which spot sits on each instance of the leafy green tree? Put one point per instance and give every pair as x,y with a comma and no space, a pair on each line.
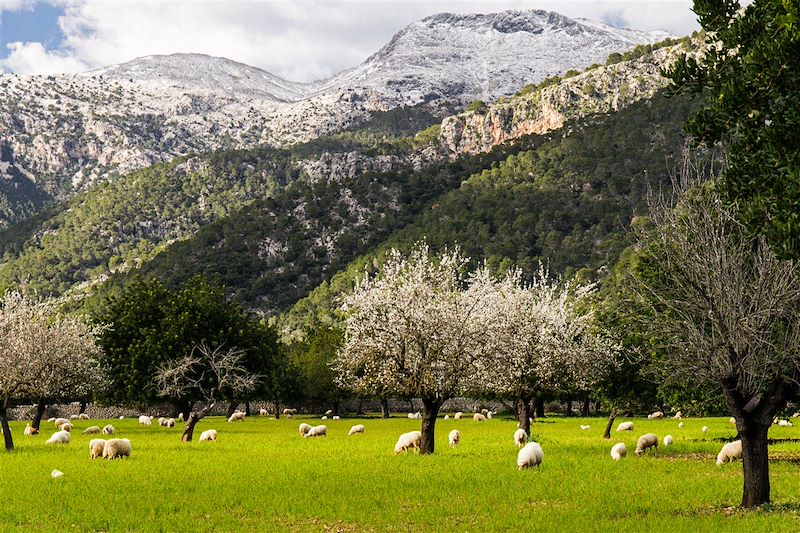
312,358
749,80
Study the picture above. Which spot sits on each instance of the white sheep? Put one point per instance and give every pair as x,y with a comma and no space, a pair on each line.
796,415
625,426
704,429
303,429
584,427
117,449
680,425
489,415
55,474
520,438
59,437
645,443
732,421
73,417
454,438
477,417
83,416
180,417
785,423
668,440
447,417
414,416
530,455
30,430
121,417
406,441
237,415
329,412
92,430
317,431
655,416
145,420
51,419
618,451
108,429
60,421
288,411
458,415
66,427
263,412
356,429
208,435
730,452
336,417
171,423
484,412
96,447
162,422
325,417
678,415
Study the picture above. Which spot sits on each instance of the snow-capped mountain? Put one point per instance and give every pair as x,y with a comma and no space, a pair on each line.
70,131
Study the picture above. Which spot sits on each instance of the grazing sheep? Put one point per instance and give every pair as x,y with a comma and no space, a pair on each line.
30,430
237,415
730,452
645,443
171,423
618,451
83,416
704,429
180,417
625,426
317,431
117,449
796,415
92,430
108,429
356,429
208,435
458,415
96,447
414,416
304,429
785,423
732,421
477,417
529,456
520,438
290,411
121,417
680,425
412,439
484,412
454,438
51,419
336,417
678,415
584,428
324,418
447,417
66,427
263,412
145,420
55,474
73,417
59,437
668,440
162,422
59,421
655,416
329,412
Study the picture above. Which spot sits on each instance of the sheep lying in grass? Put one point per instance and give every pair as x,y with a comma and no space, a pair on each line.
237,416
447,417
30,430
668,440
477,417
324,417
454,438
520,438
645,443
655,416
108,429
680,425
145,420
530,455
414,416
336,417
303,429
288,411
91,430
96,447
73,417
704,429
625,426
83,416
458,415
359,428
618,451
406,441
584,427
117,449
55,474
208,435
785,423
60,421
317,431
730,452
59,437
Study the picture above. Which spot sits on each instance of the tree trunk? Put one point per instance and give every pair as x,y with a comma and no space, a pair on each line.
585,410
384,408
540,408
232,408
411,403
569,407
523,408
755,463
9,441
82,408
191,422
336,407
431,411
37,415
277,410
611,416
247,408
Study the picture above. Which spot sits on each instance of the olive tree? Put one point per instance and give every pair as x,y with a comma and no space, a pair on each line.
728,308
413,329
43,355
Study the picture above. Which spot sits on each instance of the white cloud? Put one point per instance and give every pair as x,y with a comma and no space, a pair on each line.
300,40
33,58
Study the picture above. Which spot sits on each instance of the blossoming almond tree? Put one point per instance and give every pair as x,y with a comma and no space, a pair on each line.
415,329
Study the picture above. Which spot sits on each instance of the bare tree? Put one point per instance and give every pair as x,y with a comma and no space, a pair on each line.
727,308
205,375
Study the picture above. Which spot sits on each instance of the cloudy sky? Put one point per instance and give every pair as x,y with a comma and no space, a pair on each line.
298,40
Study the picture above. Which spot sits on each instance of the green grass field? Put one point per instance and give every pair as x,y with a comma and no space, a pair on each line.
261,476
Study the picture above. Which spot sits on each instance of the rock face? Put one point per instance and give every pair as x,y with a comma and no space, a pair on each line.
65,133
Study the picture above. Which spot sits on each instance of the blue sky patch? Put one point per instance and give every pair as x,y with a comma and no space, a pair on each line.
39,24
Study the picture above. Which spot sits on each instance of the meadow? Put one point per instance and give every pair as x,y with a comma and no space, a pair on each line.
261,476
